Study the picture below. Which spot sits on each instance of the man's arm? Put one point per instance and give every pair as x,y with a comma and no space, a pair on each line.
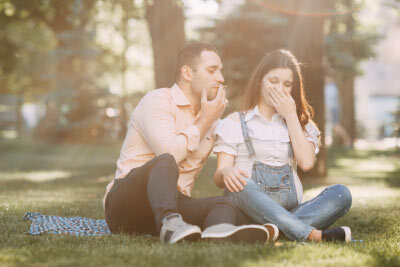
155,121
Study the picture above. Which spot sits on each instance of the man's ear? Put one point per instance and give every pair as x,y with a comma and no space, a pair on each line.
186,73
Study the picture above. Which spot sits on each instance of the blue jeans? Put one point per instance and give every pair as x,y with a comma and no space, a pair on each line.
318,213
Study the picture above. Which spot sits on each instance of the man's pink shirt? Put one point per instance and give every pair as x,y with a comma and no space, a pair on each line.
163,122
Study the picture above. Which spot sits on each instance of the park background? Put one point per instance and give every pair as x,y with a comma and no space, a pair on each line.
72,71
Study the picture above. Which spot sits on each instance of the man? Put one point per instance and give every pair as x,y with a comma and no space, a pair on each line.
168,140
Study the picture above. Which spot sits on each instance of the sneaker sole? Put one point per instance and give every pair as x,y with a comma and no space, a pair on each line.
241,235
191,236
273,231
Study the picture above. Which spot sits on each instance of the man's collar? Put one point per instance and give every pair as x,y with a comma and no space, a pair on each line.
178,96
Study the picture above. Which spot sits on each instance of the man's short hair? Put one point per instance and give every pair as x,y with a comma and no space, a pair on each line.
189,55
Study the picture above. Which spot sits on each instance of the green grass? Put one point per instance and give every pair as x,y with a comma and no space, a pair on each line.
69,180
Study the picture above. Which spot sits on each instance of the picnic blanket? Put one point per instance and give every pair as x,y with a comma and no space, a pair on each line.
77,226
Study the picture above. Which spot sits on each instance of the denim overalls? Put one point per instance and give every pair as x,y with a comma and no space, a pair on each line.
275,181
270,197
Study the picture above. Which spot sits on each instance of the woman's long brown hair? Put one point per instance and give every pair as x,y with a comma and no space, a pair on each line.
278,59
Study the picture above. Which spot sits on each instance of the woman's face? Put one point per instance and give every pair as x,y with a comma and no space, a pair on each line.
279,78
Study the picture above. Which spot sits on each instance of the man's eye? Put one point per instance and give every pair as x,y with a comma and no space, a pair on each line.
211,71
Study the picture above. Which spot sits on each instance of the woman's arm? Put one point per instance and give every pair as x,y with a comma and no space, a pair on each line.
227,175
304,150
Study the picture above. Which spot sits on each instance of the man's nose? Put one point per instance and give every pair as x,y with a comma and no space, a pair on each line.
220,78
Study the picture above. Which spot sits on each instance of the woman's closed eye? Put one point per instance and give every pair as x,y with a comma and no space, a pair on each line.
273,80
287,84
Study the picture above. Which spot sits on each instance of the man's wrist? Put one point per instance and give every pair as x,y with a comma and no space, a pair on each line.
205,122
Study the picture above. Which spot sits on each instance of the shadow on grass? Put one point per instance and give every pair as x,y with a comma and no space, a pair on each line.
335,154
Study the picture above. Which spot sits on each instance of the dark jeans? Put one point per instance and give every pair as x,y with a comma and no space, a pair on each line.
139,202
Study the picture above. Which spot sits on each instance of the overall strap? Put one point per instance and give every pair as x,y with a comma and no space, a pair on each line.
246,137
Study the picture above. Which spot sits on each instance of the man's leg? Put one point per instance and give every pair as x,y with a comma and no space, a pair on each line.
207,211
217,216
139,202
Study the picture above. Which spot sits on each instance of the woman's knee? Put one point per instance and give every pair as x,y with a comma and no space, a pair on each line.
246,193
343,193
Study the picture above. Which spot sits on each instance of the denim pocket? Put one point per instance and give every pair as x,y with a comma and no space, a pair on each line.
276,182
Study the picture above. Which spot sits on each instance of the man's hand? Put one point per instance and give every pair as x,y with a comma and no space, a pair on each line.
233,178
213,110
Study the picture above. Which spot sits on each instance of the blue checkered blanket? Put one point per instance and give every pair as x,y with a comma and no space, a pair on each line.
77,226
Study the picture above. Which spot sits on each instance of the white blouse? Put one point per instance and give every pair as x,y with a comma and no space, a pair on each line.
270,139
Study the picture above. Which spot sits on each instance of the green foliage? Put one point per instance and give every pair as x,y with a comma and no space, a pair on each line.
251,30
51,54
243,38
347,42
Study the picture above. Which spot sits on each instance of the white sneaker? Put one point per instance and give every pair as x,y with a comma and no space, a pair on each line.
272,230
174,229
245,233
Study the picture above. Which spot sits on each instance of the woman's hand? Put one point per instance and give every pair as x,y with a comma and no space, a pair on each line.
282,101
233,178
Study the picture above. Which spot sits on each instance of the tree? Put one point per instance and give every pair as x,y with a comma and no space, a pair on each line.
70,71
166,26
240,44
307,43
347,45
257,27
21,62
124,11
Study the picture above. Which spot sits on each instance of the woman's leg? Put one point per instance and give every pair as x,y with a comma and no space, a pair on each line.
323,210
262,209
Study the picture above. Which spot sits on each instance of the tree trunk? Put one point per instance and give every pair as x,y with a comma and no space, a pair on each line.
346,86
166,25
124,68
347,111
18,109
307,43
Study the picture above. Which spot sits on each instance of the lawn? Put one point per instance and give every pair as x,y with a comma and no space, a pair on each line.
69,180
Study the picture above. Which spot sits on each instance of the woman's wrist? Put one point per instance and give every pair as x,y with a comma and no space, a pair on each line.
291,116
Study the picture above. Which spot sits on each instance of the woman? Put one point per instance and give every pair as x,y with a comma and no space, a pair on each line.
259,149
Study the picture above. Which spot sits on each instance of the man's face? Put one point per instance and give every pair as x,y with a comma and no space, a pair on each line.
207,74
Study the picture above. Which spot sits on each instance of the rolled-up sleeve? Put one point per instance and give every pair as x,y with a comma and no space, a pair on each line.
193,136
155,120
228,136
312,134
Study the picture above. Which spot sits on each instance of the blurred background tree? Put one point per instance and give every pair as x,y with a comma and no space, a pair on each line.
89,61
166,26
348,43
323,35
67,66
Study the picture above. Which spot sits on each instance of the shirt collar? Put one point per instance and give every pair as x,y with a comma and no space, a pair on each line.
251,113
256,112
178,96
